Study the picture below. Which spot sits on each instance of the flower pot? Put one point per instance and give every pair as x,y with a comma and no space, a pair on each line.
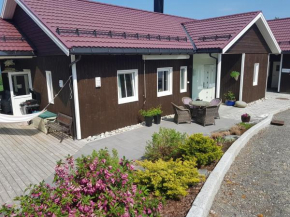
157,119
148,121
230,103
236,77
246,119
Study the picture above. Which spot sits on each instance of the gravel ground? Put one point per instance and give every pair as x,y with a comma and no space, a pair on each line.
258,183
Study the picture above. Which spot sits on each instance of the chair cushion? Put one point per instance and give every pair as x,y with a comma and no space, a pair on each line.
241,104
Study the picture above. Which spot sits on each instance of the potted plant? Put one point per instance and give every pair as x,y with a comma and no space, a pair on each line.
148,116
230,98
246,118
235,75
157,114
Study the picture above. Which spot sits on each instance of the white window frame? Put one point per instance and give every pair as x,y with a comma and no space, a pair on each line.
49,87
170,82
256,74
135,86
185,79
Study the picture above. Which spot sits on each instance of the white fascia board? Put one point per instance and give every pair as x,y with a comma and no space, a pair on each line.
15,57
268,35
44,28
265,31
165,57
8,9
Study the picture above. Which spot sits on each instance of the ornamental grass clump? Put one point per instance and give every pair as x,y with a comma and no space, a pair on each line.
98,185
164,145
170,179
201,147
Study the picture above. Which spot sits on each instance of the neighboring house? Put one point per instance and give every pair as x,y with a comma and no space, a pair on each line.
243,42
122,59
279,70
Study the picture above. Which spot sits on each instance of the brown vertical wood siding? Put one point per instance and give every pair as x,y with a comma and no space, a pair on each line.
99,107
42,44
230,62
59,67
251,42
285,77
252,93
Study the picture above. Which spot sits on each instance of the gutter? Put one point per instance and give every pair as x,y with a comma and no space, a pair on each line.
128,51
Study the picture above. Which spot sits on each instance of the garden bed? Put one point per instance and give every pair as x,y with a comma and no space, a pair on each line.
180,208
102,184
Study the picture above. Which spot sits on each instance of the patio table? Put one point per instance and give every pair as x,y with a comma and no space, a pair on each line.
199,103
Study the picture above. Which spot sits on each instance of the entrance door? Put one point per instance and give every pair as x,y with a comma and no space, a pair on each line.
275,74
208,83
20,83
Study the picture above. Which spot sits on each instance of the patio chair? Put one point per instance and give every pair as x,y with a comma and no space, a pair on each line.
182,114
186,101
216,102
206,116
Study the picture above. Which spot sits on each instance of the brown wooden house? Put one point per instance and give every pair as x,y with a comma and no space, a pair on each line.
122,60
279,68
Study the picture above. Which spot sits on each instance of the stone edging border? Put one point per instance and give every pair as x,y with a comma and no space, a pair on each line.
203,202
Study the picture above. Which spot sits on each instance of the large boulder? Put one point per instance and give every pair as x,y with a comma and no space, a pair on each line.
241,104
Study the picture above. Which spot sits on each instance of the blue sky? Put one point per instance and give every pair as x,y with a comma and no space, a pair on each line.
200,9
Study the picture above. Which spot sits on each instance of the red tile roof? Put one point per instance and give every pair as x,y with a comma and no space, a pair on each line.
281,31
88,15
203,31
12,40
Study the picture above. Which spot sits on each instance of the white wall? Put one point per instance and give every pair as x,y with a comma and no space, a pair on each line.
199,60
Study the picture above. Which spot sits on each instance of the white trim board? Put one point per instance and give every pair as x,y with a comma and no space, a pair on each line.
165,57
76,98
44,28
265,30
8,9
242,77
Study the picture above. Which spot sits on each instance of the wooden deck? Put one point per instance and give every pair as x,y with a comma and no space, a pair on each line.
28,156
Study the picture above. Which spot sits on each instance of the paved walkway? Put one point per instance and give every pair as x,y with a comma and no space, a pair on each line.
132,144
28,156
258,183
271,105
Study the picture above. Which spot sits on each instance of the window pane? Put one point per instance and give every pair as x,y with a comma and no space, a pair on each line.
122,85
165,81
182,74
20,85
160,81
129,85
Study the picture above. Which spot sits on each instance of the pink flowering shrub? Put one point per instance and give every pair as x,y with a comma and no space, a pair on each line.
98,185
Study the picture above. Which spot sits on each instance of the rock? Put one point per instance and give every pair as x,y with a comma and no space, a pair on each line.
241,104
204,172
231,137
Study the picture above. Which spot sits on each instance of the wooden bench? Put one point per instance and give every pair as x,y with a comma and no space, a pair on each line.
62,123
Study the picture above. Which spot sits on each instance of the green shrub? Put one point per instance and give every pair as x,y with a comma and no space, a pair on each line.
246,125
203,148
157,110
146,113
164,145
170,179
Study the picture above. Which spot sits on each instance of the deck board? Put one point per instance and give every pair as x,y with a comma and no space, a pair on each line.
28,156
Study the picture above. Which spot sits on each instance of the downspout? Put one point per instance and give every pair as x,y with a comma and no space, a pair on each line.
280,73
216,70
76,107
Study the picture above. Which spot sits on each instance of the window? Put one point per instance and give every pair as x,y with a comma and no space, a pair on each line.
164,82
127,86
49,87
256,74
183,79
